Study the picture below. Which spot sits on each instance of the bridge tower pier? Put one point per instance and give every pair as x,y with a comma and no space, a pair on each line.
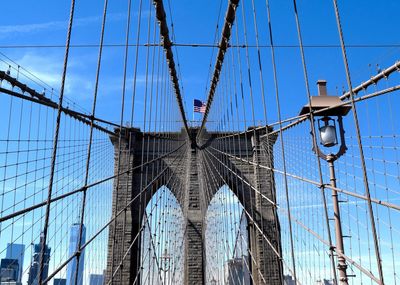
238,165
126,227
264,240
264,232
194,260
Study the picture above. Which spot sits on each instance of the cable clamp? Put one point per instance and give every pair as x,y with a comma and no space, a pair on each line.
323,186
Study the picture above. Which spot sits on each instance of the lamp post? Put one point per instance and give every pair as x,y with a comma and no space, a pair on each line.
329,110
166,264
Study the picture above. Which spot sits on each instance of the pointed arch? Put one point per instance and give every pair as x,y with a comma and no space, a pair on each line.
162,240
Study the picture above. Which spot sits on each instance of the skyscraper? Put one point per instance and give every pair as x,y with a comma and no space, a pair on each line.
35,266
288,280
73,245
9,270
238,274
59,281
324,282
96,279
16,251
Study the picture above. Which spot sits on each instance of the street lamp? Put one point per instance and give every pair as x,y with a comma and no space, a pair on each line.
165,264
328,110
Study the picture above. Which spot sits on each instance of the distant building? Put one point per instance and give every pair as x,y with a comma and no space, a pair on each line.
96,279
60,281
288,280
73,245
238,274
35,266
9,269
324,282
17,251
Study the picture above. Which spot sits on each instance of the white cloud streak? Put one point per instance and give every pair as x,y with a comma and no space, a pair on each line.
9,30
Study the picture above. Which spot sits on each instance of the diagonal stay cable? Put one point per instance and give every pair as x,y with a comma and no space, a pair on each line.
146,216
362,86
117,214
28,209
210,164
349,193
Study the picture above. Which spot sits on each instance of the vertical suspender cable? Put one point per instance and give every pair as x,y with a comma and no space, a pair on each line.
223,45
82,214
120,133
55,143
360,146
136,62
306,81
167,44
282,141
283,160
142,199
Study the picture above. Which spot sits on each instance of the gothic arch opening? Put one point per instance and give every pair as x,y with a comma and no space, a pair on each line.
226,240
162,240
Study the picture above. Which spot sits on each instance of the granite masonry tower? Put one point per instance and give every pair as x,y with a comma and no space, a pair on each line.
192,178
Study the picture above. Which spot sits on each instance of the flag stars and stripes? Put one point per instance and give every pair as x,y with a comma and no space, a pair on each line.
199,106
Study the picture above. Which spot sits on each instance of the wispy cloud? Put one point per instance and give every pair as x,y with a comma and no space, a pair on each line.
29,28
9,30
48,68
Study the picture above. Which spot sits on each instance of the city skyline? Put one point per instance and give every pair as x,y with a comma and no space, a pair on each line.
15,254
34,269
17,251
72,268
96,279
293,167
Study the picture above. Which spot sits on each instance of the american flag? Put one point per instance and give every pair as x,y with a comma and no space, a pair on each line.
199,106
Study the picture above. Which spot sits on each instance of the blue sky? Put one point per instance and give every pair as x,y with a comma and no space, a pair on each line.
367,23
45,22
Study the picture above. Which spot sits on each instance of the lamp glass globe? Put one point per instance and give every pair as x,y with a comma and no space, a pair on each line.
328,136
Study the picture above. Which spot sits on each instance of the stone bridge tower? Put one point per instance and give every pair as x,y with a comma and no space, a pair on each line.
193,178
